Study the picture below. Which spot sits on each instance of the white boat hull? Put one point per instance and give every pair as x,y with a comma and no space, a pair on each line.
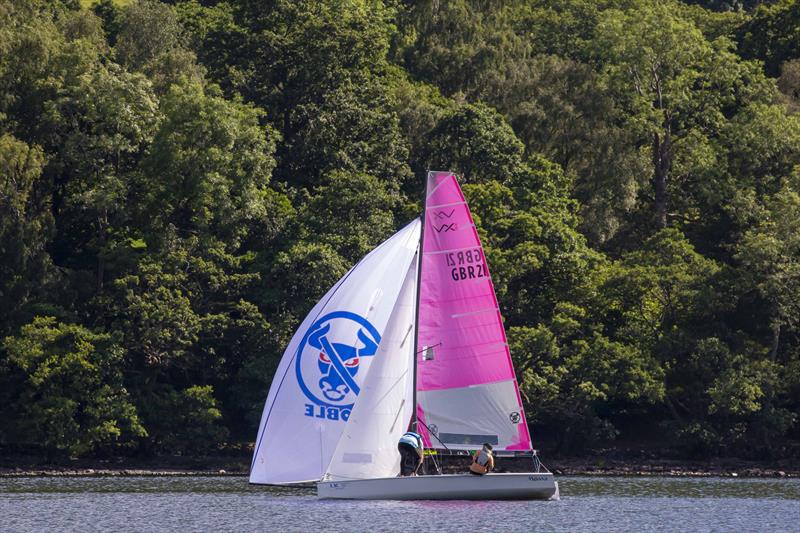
516,486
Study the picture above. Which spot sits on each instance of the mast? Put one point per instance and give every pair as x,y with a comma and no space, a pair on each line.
416,310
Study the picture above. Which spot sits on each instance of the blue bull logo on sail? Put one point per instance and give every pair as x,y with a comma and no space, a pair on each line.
329,360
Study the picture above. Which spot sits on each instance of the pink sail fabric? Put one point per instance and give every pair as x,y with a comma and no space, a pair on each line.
467,390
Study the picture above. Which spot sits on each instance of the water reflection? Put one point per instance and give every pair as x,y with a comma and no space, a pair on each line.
571,486
701,487
231,504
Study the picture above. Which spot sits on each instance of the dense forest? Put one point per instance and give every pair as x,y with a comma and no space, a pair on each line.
180,182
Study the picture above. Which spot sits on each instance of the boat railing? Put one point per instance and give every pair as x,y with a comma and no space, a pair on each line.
538,466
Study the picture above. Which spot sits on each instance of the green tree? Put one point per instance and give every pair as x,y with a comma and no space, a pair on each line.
63,390
319,70
676,86
37,62
561,109
352,213
184,421
569,379
771,34
208,168
151,39
769,254
476,142
149,28
461,45
104,121
314,145
109,13
789,84
187,318
25,227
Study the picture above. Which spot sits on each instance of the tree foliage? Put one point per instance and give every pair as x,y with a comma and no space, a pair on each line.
64,390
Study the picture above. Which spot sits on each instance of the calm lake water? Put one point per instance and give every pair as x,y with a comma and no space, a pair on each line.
219,504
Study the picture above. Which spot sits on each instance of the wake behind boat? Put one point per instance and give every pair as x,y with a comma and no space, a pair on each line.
411,337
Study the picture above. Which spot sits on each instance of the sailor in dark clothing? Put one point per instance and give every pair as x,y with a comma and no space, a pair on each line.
411,453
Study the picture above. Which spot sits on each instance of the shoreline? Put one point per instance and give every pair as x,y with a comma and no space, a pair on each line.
725,467
563,467
631,473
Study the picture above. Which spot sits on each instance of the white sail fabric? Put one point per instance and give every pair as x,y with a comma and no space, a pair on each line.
368,445
320,375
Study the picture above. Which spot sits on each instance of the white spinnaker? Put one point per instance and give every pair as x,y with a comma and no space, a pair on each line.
316,383
368,445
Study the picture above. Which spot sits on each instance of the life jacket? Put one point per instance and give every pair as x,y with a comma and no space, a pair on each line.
480,462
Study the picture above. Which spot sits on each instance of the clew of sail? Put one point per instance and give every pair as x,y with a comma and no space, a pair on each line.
368,445
467,392
323,368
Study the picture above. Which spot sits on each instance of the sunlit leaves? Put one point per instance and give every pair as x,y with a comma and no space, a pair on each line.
209,165
66,390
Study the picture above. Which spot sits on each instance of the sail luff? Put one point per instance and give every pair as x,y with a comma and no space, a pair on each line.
413,424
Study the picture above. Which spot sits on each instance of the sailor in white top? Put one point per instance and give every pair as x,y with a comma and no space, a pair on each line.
411,453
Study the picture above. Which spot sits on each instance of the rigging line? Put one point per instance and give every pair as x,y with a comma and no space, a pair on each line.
432,346
391,388
263,429
435,435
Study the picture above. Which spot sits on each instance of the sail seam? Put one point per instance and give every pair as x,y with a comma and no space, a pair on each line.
472,386
470,356
447,205
459,315
498,343
450,250
475,297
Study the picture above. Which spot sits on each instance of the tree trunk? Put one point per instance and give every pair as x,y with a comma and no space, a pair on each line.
662,163
671,407
102,223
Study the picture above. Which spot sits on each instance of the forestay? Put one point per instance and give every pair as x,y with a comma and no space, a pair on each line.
323,368
467,390
368,445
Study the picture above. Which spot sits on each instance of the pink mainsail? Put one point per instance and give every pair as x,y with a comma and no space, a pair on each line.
467,392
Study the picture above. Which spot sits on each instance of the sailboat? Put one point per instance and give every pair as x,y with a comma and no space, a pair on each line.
410,338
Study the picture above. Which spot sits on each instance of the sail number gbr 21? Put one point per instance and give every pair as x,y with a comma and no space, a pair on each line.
467,264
